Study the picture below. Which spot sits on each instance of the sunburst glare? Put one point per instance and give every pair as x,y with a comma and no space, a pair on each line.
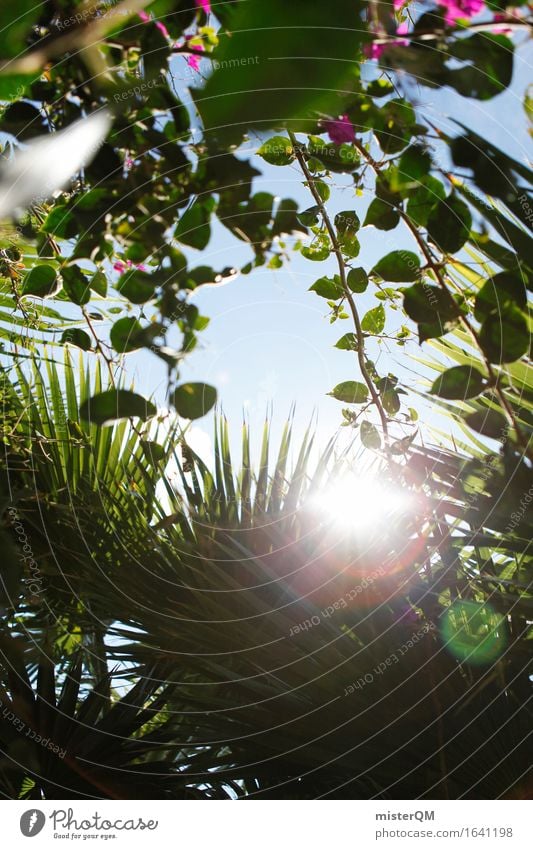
362,504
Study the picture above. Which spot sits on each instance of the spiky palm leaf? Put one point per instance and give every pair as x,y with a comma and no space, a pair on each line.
64,738
214,597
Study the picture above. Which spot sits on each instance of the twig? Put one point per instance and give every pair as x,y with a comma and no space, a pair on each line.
346,289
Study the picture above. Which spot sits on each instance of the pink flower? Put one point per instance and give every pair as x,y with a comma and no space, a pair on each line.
162,28
145,18
461,9
194,61
205,5
340,130
375,50
121,266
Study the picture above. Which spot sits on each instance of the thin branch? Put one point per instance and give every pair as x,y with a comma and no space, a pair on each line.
346,289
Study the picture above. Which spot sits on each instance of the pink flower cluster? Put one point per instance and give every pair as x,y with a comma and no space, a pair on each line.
193,61
461,9
145,17
204,5
340,130
454,10
121,267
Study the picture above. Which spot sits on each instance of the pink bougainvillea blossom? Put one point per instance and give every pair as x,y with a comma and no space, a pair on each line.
375,49
340,130
145,18
205,5
461,9
121,266
162,28
193,61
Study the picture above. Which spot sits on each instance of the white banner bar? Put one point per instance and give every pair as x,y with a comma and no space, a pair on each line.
269,825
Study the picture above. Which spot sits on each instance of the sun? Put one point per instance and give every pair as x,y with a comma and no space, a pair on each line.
362,504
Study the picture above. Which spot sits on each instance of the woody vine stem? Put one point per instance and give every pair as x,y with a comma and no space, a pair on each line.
374,392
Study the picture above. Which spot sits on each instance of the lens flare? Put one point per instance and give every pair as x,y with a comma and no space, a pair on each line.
362,505
473,632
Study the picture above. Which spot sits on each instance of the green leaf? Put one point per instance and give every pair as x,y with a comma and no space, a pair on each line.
16,20
98,283
194,400
287,219
309,217
267,73
435,329
449,224
13,86
348,342
322,189
60,223
347,223
459,383
357,280
414,164
491,65
499,291
76,284
116,404
123,335
423,199
504,335
424,304
41,281
193,227
137,286
395,125
398,267
370,435
153,452
488,422
277,151
340,158
328,287
350,392
374,320
391,401
319,249
382,215
77,337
